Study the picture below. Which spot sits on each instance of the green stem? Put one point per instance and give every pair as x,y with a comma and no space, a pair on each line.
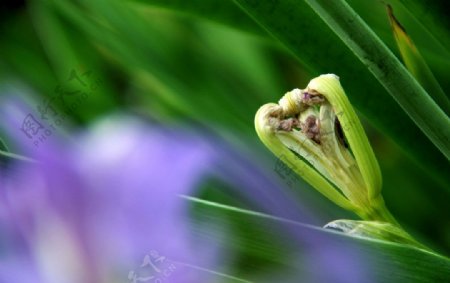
376,210
379,212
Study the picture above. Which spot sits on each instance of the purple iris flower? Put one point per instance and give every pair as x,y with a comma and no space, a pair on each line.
106,207
110,201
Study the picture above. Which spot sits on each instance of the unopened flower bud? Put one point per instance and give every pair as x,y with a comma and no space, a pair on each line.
317,131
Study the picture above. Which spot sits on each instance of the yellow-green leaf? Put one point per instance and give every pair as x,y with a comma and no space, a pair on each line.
416,64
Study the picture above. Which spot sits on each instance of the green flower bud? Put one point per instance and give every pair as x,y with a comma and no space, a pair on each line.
317,133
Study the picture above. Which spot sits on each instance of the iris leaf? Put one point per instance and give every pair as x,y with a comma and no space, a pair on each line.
416,64
280,18
393,262
296,25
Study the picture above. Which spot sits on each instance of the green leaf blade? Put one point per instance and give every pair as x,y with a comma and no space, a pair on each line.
416,63
267,239
295,24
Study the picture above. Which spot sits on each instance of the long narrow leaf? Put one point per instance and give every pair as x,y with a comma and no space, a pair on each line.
416,63
387,69
389,262
433,15
296,25
220,11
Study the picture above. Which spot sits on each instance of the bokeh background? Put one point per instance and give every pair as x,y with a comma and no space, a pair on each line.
182,67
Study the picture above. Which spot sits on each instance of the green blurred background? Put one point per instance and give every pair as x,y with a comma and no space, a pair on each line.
179,64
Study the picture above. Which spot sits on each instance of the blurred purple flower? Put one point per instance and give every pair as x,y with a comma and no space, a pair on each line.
87,210
107,208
